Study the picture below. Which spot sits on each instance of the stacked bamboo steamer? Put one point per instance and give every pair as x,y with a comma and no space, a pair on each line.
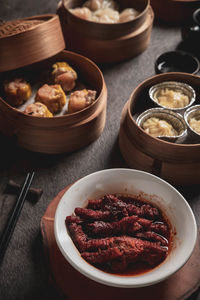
107,43
176,163
29,46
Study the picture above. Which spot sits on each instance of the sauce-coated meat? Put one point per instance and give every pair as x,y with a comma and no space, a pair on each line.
114,232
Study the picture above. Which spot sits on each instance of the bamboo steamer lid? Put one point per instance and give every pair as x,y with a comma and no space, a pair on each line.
29,40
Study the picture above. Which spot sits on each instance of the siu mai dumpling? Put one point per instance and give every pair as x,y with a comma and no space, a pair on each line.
52,96
64,75
38,109
17,91
157,127
81,99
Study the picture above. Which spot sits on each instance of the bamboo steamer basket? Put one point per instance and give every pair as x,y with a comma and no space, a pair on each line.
111,44
103,31
174,10
176,163
59,134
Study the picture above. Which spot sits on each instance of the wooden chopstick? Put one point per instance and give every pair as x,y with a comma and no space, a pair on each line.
10,226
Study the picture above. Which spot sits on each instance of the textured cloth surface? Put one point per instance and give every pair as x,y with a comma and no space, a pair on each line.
23,274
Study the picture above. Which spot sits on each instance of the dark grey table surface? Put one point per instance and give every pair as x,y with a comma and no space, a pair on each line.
23,273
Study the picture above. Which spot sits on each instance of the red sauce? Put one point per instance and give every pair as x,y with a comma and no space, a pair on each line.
133,269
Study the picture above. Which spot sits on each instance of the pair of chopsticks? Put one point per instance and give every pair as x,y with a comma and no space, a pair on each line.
10,226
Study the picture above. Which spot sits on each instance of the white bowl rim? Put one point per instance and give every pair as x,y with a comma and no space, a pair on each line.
112,279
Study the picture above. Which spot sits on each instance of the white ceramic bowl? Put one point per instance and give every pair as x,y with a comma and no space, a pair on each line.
132,182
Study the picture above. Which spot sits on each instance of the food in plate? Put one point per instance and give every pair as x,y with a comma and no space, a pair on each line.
52,96
38,109
104,11
171,97
64,75
80,99
17,91
121,234
194,123
158,127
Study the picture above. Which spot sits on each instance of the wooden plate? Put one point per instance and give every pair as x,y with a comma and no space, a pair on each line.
179,286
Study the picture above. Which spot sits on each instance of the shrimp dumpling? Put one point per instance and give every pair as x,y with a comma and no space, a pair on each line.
93,5
106,15
128,14
110,4
82,12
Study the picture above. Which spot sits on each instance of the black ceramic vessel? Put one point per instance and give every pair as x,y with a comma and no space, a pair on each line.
177,61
